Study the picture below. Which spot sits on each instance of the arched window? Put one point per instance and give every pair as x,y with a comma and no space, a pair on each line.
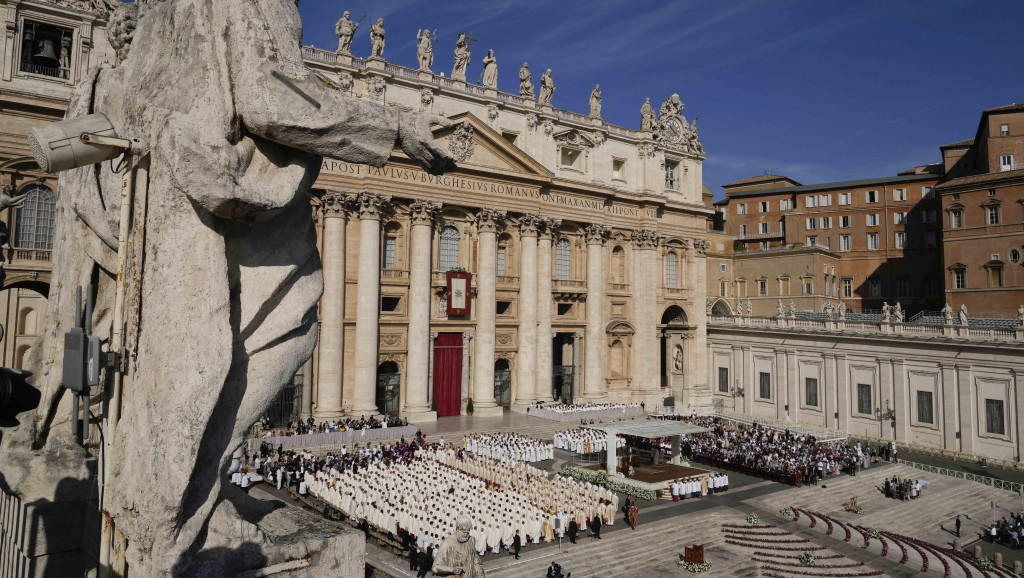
671,270
562,259
390,245
618,265
35,219
449,248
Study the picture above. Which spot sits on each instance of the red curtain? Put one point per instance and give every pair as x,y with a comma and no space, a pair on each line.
448,374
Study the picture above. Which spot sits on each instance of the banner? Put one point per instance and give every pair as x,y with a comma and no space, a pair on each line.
458,294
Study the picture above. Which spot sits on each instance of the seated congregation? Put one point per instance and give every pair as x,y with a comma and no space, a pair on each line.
511,446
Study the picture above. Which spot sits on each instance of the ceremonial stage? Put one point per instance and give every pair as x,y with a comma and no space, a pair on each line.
657,477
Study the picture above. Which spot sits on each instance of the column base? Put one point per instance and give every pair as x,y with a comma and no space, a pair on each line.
496,411
321,415
365,412
420,416
520,407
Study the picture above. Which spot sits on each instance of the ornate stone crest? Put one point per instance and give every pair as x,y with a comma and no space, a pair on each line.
549,127
645,150
461,142
671,129
426,98
345,82
575,139
598,137
492,112
531,121
701,245
377,86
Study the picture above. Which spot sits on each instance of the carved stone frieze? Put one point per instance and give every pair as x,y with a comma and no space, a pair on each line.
426,98
531,121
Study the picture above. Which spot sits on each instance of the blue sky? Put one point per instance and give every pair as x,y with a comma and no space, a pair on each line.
816,90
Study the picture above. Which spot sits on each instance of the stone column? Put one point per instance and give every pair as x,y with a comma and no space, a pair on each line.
950,426
646,347
487,223
332,308
752,387
370,207
901,399
789,402
577,371
417,401
467,339
968,413
544,343
593,379
307,390
526,372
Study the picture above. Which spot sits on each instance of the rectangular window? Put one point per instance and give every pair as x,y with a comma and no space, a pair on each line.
741,209
902,287
844,222
1005,162
875,287
864,398
956,219
992,214
762,228
994,423
1004,130
571,158
764,245
872,240
808,287
389,252
762,287
899,194
785,205
501,261
899,218
871,196
924,407
765,390
812,241
824,200
899,240
811,223
845,242
618,170
672,176
723,379
723,267
931,287
927,192
847,288
723,287
811,391
960,279
42,50
743,230
828,287
810,201
826,222
871,219
844,198
762,207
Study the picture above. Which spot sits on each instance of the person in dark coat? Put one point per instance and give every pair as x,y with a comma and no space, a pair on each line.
573,529
414,557
517,544
595,525
958,526
426,563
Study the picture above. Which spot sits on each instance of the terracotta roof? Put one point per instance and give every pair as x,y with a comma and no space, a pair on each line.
759,179
960,143
980,179
1007,108
836,185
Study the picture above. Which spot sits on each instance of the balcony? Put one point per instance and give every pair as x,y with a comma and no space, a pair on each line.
394,276
568,285
675,292
507,281
28,258
756,236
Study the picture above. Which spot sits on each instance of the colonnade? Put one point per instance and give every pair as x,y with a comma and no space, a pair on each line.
534,356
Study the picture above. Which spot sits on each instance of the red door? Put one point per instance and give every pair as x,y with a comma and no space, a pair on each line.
448,374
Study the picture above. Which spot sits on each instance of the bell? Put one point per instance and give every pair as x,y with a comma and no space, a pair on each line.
46,54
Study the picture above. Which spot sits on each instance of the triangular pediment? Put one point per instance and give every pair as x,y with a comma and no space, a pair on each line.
574,138
489,151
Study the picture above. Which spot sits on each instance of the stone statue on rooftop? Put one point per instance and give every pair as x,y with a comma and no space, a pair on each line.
898,313
842,311
780,309
457,555
377,39
827,309
424,50
886,312
210,342
525,86
490,76
547,87
947,314
792,309
461,58
708,305
964,319
647,116
595,102
750,307
346,30
1020,316
671,106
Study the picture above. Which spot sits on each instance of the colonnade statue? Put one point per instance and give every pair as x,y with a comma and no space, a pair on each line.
223,310
457,554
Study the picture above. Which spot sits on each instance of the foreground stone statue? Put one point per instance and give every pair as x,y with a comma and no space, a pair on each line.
225,309
457,555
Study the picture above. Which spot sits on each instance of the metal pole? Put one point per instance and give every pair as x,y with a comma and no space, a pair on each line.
76,430
90,299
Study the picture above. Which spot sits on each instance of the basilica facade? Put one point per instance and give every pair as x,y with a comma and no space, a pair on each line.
564,259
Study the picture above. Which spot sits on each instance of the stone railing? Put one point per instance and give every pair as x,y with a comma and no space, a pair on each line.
394,274
675,291
319,54
506,281
570,285
400,70
768,235
618,287
28,257
870,327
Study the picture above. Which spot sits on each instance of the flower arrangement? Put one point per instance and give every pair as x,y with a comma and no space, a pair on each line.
985,563
753,519
807,559
602,479
695,568
859,510
786,511
874,533
631,472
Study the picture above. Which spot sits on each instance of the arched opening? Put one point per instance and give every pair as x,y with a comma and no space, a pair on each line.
389,380
27,321
617,359
21,357
672,350
674,315
503,383
720,309
34,229
449,253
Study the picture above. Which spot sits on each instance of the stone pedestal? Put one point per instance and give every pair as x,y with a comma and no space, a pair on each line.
334,207
375,62
417,406
368,304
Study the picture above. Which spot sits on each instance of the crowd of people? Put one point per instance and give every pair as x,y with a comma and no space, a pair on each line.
568,408
414,493
511,446
902,489
696,487
309,426
584,440
1008,532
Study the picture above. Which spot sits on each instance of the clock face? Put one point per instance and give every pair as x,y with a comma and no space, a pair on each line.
674,130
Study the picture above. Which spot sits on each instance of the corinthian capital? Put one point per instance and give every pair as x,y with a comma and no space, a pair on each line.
423,212
371,205
645,239
529,224
596,234
334,204
489,220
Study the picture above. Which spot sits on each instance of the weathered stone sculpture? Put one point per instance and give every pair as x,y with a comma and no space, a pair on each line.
490,77
346,30
461,58
377,39
223,287
1020,316
457,554
898,313
595,102
647,116
525,86
965,320
780,309
424,50
947,314
842,311
547,87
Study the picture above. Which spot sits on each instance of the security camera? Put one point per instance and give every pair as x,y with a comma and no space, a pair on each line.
78,142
